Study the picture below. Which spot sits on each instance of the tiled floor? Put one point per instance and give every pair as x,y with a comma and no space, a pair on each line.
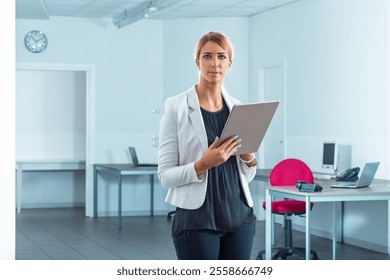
67,234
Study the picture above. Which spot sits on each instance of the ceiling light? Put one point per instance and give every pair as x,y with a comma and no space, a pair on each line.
142,11
150,11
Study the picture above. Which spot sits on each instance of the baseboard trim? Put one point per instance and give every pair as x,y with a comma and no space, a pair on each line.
347,240
132,213
53,205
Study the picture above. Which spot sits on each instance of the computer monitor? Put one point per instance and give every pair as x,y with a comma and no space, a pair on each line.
329,156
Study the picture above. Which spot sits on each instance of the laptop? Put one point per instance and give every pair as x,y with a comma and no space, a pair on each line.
365,179
134,158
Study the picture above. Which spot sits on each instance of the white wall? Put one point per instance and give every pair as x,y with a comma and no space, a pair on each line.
336,54
126,61
50,114
337,89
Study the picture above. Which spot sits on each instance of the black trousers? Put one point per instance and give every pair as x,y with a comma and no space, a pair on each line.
215,245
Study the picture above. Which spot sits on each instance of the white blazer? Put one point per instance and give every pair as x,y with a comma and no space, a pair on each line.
183,141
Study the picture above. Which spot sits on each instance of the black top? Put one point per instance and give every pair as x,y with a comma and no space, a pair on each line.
225,208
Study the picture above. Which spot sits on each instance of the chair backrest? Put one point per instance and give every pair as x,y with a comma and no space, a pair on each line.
289,171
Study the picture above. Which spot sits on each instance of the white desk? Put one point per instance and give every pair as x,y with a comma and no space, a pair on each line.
379,190
42,165
122,169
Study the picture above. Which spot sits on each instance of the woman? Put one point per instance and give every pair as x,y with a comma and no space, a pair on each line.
208,184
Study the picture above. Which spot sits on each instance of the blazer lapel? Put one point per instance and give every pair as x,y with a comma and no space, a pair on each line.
196,118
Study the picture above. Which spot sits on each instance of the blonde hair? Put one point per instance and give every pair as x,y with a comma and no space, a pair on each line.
217,37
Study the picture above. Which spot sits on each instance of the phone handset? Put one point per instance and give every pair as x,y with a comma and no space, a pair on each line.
349,175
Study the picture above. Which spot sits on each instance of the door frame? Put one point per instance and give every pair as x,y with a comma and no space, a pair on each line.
90,133
261,95
261,90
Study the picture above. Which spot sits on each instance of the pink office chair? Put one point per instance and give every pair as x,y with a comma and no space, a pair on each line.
287,173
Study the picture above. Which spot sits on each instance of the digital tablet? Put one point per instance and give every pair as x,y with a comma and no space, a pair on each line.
249,122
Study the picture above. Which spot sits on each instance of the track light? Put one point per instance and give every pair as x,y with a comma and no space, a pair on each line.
142,11
150,11
131,15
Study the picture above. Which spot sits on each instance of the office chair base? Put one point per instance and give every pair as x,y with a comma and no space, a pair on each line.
273,251
284,253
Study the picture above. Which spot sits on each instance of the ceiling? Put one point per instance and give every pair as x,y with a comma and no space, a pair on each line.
141,9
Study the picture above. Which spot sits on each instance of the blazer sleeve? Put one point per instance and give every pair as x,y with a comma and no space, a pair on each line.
249,172
170,173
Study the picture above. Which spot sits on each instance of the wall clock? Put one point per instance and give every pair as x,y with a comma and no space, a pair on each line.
35,41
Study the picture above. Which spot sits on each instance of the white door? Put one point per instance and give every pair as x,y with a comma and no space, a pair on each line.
273,148
273,88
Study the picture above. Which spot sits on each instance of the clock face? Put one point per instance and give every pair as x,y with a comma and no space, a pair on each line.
35,41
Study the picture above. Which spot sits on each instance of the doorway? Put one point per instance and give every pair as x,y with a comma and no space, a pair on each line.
272,86
87,152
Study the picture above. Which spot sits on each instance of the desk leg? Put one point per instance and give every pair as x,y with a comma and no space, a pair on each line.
268,228
339,207
95,190
152,195
119,200
334,239
273,228
19,177
308,249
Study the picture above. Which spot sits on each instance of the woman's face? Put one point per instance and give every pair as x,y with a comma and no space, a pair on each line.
213,62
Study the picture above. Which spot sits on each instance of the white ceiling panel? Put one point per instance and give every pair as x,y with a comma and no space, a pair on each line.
164,9
30,9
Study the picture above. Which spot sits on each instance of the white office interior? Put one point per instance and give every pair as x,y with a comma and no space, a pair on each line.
97,89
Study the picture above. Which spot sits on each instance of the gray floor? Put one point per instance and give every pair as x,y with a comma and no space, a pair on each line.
67,234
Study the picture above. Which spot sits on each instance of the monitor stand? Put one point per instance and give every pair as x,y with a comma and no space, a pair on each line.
325,174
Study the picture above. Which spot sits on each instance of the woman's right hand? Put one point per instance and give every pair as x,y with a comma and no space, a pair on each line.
217,154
